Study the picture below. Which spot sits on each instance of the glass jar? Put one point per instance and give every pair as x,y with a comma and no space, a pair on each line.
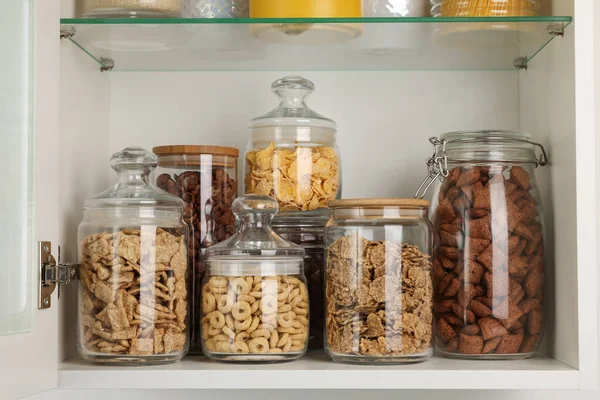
378,288
484,8
132,8
205,177
255,304
292,155
309,233
133,291
215,9
488,268
395,8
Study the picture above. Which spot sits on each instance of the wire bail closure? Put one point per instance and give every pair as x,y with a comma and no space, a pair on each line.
437,165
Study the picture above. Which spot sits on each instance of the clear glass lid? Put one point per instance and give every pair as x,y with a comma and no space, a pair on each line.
134,188
255,249
293,110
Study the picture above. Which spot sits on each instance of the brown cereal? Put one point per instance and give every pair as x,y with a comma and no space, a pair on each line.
374,288
134,296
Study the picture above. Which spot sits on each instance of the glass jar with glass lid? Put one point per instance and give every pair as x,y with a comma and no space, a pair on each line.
255,304
292,155
378,288
133,291
489,262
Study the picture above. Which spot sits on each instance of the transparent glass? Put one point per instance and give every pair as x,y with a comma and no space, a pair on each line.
205,178
292,155
132,8
484,8
216,9
395,8
16,150
378,288
255,304
309,233
489,265
133,285
386,43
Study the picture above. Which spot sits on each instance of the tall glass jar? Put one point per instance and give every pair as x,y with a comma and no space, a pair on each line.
216,9
255,305
309,233
132,8
484,8
205,178
292,155
133,291
488,268
378,289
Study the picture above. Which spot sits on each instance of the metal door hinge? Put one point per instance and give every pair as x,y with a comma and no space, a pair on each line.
52,273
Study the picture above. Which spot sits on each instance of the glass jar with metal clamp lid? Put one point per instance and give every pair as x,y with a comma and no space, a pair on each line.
488,264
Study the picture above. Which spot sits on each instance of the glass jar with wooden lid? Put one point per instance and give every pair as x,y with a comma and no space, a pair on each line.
205,178
378,289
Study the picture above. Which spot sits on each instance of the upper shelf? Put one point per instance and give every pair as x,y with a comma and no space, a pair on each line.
324,44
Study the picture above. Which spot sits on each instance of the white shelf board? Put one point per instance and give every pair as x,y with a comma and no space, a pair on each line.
316,371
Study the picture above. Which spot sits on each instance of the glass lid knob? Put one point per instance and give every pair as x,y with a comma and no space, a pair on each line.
293,90
134,158
253,204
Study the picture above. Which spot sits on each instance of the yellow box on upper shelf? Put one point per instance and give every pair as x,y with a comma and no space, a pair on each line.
300,44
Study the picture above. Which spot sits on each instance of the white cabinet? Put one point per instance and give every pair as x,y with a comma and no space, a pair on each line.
387,103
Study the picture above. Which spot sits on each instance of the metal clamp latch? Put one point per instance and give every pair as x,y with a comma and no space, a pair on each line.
52,273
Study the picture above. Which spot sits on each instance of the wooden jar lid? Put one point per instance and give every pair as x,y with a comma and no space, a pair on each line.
196,150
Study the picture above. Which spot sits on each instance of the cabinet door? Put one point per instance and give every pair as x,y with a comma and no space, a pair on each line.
29,39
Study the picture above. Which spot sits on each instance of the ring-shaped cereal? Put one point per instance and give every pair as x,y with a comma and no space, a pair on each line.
297,324
284,308
240,286
210,345
243,325
247,298
241,310
260,333
287,345
209,303
229,332
258,345
217,319
294,293
218,281
242,337
268,304
295,301
282,293
257,279
296,348
250,280
240,347
222,338
205,328
283,339
275,350
303,320
225,304
256,294
223,347
206,289
303,292
300,311
254,325
254,307
229,321
218,290
212,331
274,339
286,319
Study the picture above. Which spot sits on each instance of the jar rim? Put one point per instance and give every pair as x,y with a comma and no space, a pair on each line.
196,150
487,134
402,203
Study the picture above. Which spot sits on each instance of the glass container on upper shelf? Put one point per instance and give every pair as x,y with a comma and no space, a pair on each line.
205,178
133,286
216,9
396,8
378,289
489,258
292,155
255,303
303,33
484,8
132,8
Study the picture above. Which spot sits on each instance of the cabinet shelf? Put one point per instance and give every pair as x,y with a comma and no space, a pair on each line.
313,44
316,371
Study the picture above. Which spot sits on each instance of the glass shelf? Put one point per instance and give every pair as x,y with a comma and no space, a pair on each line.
324,44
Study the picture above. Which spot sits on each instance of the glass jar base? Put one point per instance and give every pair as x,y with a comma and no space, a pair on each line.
486,357
121,13
375,360
157,359
254,358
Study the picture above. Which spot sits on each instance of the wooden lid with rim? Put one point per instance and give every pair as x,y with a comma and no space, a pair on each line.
400,203
196,150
